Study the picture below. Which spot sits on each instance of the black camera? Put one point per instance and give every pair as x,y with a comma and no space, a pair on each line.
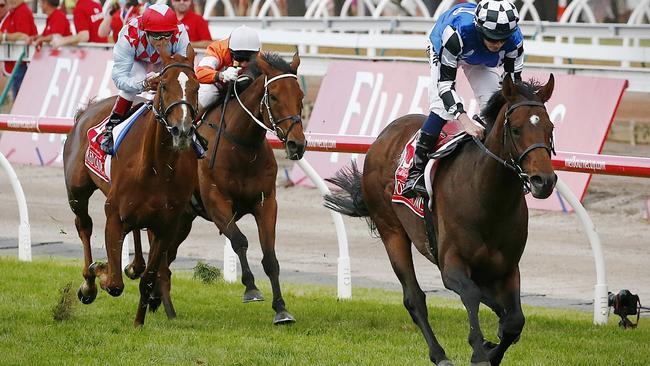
625,304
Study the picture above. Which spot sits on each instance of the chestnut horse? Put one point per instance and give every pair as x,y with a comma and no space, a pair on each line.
242,180
478,212
153,176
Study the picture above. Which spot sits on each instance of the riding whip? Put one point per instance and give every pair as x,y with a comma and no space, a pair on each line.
223,112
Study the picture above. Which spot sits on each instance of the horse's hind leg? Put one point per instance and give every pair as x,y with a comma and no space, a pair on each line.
456,278
78,200
266,216
398,247
134,269
511,321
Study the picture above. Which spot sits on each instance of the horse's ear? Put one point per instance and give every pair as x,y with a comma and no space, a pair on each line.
508,88
261,62
189,51
546,91
295,62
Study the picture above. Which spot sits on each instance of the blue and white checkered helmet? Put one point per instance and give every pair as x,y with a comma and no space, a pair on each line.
496,19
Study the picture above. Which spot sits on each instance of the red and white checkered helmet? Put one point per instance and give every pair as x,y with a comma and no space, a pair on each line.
159,18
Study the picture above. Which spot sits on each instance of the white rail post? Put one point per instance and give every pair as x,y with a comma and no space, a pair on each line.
344,273
601,306
229,263
24,236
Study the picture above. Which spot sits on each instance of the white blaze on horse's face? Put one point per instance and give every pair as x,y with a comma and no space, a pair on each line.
182,80
534,119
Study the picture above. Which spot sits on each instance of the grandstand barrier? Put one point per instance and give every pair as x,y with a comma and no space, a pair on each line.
568,161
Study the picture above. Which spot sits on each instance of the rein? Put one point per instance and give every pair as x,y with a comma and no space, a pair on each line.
515,164
276,130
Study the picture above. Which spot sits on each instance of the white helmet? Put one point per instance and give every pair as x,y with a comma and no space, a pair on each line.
244,38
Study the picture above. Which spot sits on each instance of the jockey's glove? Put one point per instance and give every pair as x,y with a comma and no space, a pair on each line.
150,82
229,74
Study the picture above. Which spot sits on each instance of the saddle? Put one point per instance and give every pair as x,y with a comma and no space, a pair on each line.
96,159
452,136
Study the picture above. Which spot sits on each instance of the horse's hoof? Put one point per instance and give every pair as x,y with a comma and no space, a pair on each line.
283,317
115,291
445,363
253,295
90,297
130,272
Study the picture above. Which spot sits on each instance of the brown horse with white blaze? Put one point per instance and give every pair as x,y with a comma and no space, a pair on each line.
152,178
242,180
478,212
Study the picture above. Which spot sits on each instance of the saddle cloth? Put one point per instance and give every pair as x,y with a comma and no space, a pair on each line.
97,160
451,136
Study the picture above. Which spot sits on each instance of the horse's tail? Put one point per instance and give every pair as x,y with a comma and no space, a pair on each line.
348,200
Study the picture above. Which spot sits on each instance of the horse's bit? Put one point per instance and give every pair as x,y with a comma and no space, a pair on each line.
277,130
162,117
515,165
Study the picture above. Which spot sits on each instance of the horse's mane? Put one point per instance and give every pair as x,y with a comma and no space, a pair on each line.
253,71
490,112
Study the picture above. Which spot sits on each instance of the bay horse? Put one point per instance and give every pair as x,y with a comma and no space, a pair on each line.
478,211
242,180
153,176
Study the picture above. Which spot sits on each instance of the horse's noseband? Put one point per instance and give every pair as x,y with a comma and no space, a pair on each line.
162,117
264,104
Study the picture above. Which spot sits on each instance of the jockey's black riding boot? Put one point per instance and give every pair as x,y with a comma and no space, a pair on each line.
107,140
198,147
120,109
415,182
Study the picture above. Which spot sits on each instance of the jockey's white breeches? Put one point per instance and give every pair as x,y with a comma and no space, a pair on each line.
208,93
483,80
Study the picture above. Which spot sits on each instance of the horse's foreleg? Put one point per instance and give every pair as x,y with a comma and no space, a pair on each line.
455,277
398,247
164,274
266,215
134,269
157,253
222,215
511,323
83,222
111,276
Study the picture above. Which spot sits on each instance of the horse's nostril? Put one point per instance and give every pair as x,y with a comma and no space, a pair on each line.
292,146
175,131
536,180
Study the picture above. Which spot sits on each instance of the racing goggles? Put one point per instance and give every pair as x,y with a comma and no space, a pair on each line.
241,56
160,35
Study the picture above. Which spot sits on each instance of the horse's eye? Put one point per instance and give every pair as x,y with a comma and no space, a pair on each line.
273,98
516,131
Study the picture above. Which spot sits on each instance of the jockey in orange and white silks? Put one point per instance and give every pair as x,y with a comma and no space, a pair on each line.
224,60
136,52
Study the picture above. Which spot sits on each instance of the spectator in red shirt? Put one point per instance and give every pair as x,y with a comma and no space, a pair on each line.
87,16
56,25
196,26
118,14
17,25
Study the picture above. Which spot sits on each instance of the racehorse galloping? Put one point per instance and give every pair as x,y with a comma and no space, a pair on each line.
479,212
242,180
152,178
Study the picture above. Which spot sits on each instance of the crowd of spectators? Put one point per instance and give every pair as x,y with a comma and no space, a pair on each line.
90,21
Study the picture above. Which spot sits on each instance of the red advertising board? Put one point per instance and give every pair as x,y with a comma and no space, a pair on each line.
57,84
361,98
